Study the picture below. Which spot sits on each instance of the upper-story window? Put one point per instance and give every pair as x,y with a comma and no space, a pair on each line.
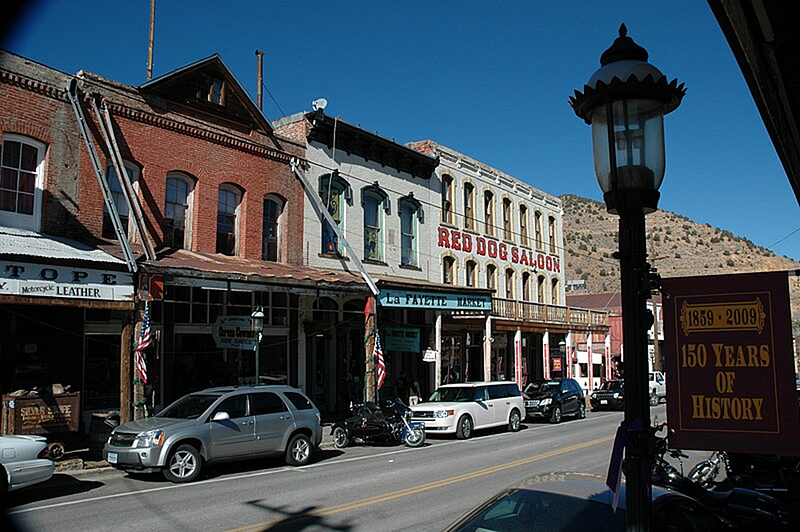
334,192
551,232
374,201
469,206
228,204
508,222
472,272
118,197
524,236
537,228
21,182
211,90
510,283
178,211
526,286
488,212
491,276
447,199
410,211
555,293
448,270
540,289
273,221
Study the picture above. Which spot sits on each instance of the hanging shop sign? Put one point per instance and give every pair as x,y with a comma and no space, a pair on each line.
234,332
64,282
494,249
429,355
401,339
729,362
434,300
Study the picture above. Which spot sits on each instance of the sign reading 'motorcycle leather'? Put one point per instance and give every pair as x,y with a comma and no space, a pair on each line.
730,367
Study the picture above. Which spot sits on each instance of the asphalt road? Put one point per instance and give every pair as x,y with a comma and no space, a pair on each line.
359,488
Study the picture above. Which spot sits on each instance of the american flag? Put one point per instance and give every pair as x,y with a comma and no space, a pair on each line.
144,342
379,360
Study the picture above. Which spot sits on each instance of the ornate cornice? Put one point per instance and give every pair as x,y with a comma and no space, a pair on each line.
32,85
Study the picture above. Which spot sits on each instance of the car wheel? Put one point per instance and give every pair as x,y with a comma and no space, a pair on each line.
514,421
298,452
653,399
464,428
555,417
340,439
582,410
184,464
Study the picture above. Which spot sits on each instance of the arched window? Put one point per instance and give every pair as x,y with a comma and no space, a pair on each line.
488,212
526,286
22,167
448,270
551,231
471,271
537,227
374,201
510,283
491,276
469,206
540,289
508,222
229,199
272,231
178,211
410,211
524,236
447,199
334,192
118,197
555,296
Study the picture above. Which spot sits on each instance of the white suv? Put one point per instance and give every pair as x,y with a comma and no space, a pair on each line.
461,408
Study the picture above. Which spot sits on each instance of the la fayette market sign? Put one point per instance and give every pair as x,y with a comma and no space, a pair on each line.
434,300
730,365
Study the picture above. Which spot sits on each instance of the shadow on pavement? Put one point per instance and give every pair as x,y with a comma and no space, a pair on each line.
58,486
293,521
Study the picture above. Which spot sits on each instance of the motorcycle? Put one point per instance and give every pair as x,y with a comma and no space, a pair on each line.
388,422
747,508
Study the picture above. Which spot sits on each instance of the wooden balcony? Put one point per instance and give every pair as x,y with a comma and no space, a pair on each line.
548,315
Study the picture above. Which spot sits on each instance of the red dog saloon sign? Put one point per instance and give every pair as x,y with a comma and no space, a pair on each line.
730,365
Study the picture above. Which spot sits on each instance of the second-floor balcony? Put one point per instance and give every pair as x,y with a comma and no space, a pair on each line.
540,313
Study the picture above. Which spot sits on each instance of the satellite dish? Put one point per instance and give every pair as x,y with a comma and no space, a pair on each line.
319,104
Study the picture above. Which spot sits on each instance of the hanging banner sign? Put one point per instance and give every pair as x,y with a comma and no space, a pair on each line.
728,353
401,339
429,355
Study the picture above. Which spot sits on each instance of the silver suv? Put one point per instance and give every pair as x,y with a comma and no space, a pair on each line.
218,424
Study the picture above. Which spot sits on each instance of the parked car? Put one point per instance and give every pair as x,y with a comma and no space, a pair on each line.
574,501
461,408
23,461
610,395
657,385
553,399
218,424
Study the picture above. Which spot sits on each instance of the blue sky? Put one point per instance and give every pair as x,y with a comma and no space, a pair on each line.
489,79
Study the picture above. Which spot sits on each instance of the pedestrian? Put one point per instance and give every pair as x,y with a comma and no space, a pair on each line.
414,395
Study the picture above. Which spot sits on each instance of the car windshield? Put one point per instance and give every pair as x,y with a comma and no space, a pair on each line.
543,386
452,395
189,406
611,385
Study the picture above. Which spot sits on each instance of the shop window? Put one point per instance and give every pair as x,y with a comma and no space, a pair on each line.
334,192
374,201
118,197
540,289
491,276
410,215
271,233
469,206
555,297
509,283
537,228
471,269
523,226
488,212
21,182
448,270
447,199
526,286
551,231
227,219
508,229
178,212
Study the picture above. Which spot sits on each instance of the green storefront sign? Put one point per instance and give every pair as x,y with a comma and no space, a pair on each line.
401,339
433,300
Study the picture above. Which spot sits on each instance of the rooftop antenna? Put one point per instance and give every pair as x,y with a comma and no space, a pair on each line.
260,60
150,42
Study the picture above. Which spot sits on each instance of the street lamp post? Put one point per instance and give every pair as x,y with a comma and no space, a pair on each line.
258,327
625,102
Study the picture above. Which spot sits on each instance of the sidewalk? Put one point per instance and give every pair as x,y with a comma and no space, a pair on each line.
85,461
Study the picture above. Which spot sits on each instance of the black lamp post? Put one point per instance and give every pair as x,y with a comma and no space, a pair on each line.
258,327
625,102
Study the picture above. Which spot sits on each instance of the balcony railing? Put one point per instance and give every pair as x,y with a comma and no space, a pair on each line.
539,312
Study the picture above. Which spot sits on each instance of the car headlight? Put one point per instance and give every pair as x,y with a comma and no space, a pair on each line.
616,395
151,438
443,413
545,402
594,396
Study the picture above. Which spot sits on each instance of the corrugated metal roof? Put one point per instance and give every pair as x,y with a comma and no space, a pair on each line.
24,243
